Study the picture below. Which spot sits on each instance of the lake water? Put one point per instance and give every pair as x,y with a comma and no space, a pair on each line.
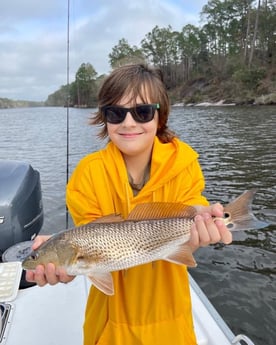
237,147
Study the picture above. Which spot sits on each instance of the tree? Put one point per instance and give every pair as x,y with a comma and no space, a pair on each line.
161,48
59,97
189,45
84,88
123,53
225,23
254,34
265,43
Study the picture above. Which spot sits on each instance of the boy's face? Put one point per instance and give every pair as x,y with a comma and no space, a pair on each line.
131,137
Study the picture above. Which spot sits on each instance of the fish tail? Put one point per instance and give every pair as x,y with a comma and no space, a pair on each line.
239,216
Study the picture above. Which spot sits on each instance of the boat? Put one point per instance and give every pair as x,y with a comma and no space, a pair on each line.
30,314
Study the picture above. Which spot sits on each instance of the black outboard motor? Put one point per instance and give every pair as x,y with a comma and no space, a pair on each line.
21,210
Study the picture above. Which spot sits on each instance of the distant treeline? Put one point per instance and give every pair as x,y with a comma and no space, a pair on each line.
231,56
6,103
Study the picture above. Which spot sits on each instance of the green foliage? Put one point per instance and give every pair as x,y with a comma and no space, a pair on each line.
83,90
6,103
236,46
81,93
250,77
123,53
160,46
58,98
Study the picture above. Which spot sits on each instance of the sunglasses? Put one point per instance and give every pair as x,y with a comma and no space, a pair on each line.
141,113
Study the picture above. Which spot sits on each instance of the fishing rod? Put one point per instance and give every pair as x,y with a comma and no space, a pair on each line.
67,105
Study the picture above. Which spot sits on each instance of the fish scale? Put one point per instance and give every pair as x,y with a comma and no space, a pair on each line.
128,243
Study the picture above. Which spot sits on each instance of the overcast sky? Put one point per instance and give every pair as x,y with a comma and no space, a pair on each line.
33,37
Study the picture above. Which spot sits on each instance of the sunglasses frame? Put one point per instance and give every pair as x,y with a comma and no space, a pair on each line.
133,110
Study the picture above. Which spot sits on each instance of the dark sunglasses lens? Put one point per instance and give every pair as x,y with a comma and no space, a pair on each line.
143,113
115,115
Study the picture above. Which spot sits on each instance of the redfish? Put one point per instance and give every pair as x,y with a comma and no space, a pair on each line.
152,231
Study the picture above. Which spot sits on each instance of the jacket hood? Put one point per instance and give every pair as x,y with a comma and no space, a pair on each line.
168,160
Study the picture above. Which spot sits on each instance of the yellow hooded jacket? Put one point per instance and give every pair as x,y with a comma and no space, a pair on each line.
151,304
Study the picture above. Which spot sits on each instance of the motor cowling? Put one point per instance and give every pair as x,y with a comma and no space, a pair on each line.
21,209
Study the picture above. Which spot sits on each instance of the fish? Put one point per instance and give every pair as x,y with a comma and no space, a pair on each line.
152,231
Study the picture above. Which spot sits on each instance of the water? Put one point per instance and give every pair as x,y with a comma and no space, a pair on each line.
237,148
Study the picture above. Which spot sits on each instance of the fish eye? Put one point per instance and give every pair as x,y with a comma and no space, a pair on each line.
33,256
226,215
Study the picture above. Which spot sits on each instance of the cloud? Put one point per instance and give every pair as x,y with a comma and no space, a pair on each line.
33,38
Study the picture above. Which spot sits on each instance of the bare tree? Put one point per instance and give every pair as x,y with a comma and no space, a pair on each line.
254,35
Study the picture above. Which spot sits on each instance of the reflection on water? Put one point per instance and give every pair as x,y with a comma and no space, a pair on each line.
237,148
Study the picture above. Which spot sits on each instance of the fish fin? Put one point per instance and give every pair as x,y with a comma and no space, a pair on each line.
103,282
182,256
239,215
160,210
111,218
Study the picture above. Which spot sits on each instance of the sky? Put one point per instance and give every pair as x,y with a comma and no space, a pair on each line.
33,37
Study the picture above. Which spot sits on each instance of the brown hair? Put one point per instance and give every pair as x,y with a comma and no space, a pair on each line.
134,79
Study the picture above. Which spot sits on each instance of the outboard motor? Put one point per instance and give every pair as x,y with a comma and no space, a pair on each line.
21,210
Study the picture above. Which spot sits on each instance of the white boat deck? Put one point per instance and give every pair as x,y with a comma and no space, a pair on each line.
53,315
